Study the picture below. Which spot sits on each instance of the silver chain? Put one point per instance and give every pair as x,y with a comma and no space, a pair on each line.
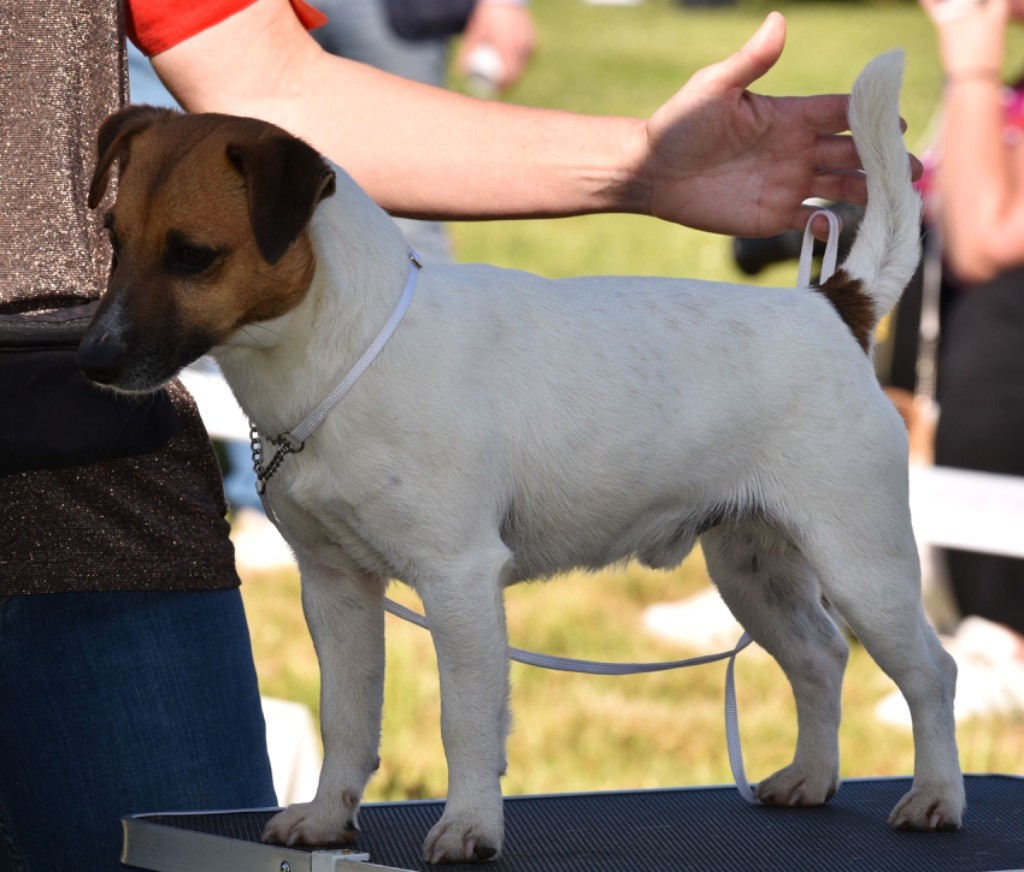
285,443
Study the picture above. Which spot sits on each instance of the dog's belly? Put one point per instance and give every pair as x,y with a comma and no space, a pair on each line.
658,535
661,548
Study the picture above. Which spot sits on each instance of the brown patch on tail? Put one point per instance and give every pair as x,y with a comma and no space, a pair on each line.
853,304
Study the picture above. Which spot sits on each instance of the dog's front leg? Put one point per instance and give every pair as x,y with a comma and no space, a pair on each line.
345,615
465,611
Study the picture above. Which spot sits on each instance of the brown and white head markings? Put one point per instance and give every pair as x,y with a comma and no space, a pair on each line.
205,201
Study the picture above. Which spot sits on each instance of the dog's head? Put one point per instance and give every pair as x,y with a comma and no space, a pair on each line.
209,233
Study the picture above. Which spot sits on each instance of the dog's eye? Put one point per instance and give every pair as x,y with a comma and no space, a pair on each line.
193,258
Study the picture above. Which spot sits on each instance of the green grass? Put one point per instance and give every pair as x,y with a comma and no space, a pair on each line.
588,733
575,732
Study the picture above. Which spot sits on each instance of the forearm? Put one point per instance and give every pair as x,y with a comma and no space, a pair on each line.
401,140
426,152
974,178
720,157
978,189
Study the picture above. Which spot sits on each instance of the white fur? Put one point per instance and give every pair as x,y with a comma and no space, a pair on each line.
515,427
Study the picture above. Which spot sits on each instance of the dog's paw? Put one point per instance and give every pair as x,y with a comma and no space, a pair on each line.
796,787
460,837
312,824
930,807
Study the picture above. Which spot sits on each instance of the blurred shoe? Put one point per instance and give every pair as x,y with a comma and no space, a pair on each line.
990,677
702,622
979,639
259,547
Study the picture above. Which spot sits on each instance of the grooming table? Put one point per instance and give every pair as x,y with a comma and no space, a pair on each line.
702,828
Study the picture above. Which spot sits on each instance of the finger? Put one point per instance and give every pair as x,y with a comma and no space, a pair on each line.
849,186
839,154
822,113
836,153
758,55
820,227
916,168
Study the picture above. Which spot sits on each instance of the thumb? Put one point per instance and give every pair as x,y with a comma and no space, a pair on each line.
757,56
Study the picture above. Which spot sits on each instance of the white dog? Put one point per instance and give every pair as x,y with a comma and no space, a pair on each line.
514,427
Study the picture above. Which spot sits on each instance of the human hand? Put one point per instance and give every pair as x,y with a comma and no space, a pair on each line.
504,27
719,158
971,34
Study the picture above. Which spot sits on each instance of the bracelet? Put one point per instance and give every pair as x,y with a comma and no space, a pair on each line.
980,74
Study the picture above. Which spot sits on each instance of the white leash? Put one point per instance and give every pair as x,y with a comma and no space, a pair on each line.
592,667
315,418
828,261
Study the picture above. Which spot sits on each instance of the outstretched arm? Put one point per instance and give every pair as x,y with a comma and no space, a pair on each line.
715,156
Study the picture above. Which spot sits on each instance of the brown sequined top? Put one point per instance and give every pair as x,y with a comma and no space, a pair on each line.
154,522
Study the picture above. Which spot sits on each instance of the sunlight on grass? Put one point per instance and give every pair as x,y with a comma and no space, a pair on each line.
593,733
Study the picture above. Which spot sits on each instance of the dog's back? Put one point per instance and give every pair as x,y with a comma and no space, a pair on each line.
887,249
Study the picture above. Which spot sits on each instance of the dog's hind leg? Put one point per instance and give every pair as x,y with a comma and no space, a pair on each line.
345,614
463,602
774,594
868,565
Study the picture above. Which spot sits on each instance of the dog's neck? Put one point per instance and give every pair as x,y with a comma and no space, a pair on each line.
280,369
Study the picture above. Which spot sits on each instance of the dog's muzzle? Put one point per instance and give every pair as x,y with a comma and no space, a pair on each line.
102,355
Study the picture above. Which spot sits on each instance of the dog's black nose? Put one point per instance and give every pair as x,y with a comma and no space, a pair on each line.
101,356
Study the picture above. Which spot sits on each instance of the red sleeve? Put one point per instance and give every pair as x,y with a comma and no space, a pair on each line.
157,25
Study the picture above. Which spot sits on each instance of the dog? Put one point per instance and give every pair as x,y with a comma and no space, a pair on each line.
513,427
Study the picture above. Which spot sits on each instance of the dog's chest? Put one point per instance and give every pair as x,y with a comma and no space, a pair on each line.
327,532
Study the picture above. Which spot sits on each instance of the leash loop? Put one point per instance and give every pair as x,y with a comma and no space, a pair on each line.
592,667
732,726
828,261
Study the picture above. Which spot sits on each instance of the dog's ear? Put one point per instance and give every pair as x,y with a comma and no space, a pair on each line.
285,179
112,142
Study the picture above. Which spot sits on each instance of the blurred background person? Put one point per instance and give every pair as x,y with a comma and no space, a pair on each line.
413,38
974,197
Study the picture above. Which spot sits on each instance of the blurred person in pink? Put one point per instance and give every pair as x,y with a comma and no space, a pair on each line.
973,187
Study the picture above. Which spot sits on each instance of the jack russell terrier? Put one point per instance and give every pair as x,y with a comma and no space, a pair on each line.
515,427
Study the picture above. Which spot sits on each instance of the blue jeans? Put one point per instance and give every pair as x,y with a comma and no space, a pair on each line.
114,703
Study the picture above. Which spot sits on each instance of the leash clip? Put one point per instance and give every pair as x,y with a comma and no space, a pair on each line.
286,444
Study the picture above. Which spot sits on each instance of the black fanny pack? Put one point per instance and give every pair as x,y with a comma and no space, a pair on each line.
51,415
417,20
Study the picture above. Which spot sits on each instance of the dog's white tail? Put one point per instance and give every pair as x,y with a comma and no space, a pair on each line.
887,249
